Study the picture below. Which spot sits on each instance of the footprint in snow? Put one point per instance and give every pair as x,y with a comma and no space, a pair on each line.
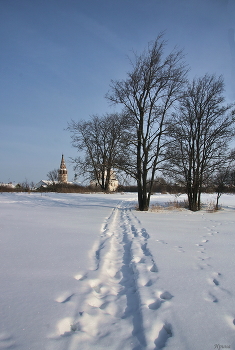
149,283
161,241
145,282
230,320
134,231
94,301
217,274
144,233
163,336
200,267
65,326
166,295
155,305
80,277
211,297
75,327
145,250
214,279
6,341
179,249
153,268
64,298
138,260
204,257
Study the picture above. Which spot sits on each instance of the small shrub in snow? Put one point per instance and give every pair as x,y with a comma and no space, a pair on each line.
171,205
212,207
177,204
156,207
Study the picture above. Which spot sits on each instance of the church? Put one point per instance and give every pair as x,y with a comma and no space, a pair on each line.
63,179
62,176
63,173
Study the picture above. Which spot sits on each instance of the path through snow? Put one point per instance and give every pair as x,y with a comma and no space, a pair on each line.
117,300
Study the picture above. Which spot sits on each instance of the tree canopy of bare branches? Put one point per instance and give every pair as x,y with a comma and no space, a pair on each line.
147,95
53,175
102,142
200,132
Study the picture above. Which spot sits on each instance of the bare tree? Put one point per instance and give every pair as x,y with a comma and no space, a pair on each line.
147,95
53,176
25,185
232,178
223,179
220,180
103,143
200,133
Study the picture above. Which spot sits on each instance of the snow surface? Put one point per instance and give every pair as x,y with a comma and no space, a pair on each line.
83,272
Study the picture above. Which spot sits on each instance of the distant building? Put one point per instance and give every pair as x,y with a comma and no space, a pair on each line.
43,183
8,185
62,176
63,173
113,182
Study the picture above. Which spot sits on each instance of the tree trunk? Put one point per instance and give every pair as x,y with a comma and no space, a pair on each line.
141,172
140,196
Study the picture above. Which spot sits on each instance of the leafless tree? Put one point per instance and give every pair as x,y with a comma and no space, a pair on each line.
223,179
220,182
53,175
25,185
148,94
102,142
200,133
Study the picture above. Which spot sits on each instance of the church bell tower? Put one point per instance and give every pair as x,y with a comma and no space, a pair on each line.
63,174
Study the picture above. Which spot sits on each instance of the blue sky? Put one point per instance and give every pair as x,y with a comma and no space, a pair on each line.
57,58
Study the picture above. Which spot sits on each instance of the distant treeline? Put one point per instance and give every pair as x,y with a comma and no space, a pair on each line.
160,186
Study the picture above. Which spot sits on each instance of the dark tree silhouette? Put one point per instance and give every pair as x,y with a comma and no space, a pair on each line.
102,142
200,132
147,94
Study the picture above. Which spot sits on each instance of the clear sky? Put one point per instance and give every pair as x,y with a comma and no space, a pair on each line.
57,58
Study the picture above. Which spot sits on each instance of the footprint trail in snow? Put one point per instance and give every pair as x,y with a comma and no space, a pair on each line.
117,302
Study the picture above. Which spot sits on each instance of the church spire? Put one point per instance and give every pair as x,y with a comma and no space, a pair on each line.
63,174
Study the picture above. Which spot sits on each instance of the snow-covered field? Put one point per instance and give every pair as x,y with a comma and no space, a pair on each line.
83,272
